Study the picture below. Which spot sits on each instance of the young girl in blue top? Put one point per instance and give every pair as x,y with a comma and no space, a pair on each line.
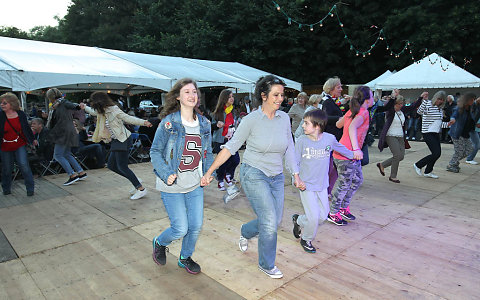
313,158
181,151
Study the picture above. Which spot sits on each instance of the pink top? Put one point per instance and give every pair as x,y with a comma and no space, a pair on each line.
361,131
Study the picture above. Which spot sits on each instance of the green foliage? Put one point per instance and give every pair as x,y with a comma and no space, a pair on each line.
253,32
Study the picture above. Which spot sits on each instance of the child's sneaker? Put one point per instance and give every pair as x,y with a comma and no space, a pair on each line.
221,185
296,228
345,213
453,169
189,265
336,219
307,246
228,179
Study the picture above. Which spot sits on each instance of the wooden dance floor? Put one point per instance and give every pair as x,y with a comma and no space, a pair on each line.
419,239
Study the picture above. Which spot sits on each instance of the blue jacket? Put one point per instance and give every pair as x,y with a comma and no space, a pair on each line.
460,118
169,142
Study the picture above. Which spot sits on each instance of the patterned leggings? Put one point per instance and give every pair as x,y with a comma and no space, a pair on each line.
462,147
350,178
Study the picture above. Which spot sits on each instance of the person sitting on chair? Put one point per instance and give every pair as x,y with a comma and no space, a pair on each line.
44,148
90,151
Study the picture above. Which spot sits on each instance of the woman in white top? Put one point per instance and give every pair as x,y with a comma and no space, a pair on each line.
297,111
393,133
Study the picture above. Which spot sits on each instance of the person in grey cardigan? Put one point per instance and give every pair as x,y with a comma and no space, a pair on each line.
63,134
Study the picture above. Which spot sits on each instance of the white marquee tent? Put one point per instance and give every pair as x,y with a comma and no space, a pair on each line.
432,72
371,84
27,65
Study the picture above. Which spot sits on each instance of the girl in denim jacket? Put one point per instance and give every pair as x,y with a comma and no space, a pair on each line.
181,152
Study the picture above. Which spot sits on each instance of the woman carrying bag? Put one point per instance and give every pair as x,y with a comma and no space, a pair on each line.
110,128
393,133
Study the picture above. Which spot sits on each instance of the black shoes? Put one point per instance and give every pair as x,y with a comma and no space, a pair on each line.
71,180
159,253
296,228
7,192
30,193
307,246
189,265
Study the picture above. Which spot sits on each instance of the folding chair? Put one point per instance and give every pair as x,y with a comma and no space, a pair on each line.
51,166
81,160
135,148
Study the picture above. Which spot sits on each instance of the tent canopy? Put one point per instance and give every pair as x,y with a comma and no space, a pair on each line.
27,65
430,73
371,84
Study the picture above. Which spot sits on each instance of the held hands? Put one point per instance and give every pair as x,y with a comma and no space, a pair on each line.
148,124
299,183
452,121
206,179
424,95
171,179
82,105
358,154
35,143
220,124
395,93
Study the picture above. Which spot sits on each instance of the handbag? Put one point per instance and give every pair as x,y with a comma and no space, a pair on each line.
407,144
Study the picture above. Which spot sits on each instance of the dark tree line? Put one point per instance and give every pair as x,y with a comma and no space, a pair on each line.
253,32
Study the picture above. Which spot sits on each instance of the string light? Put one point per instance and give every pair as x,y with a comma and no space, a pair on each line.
380,36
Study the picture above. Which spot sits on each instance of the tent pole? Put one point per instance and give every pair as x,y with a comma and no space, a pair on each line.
23,99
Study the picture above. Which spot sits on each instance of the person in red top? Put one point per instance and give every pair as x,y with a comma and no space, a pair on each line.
15,134
355,127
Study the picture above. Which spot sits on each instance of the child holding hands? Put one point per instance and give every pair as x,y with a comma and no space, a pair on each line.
312,151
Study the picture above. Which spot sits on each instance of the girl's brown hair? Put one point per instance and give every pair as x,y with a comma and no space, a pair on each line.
172,103
100,101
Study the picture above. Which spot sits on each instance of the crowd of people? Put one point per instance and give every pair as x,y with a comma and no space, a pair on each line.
322,139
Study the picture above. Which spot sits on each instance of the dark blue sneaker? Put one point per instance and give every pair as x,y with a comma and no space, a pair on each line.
159,253
307,246
296,228
189,265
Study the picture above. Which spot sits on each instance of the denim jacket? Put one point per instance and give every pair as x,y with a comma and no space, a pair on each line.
169,142
461,118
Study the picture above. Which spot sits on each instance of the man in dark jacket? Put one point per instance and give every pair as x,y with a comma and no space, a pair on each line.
44,147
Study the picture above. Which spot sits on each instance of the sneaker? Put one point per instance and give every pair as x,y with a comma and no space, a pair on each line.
139,194
336,219
232,192
159,253
132,191
418,170
7,192
189,265
273,273
82,177
296,228
453,169
307,246
413,138
242,242
71,180
228,179
30,193
221,185
345,213
431,175
472,162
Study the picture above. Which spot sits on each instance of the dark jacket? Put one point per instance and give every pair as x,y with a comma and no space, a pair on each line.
45,146
26,130
389,110
333,113
461,118
62,131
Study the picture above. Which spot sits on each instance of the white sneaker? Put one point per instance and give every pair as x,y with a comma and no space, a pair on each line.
139,194
232,192
132,191
273,273
242,242
417,169
472,162
221,185
431,175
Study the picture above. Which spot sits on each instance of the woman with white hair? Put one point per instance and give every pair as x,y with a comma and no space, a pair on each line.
312,103
432,114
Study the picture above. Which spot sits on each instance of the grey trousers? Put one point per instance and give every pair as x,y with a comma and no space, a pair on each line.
315,205
397,147
462,147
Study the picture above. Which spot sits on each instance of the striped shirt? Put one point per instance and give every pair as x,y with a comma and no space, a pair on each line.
432,117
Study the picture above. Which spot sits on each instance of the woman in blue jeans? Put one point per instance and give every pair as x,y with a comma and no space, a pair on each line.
267,133
15,134
63,134
180,152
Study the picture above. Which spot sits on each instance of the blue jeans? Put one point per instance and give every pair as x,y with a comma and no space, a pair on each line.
20,156
185,211
475,138
63,155
266,196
